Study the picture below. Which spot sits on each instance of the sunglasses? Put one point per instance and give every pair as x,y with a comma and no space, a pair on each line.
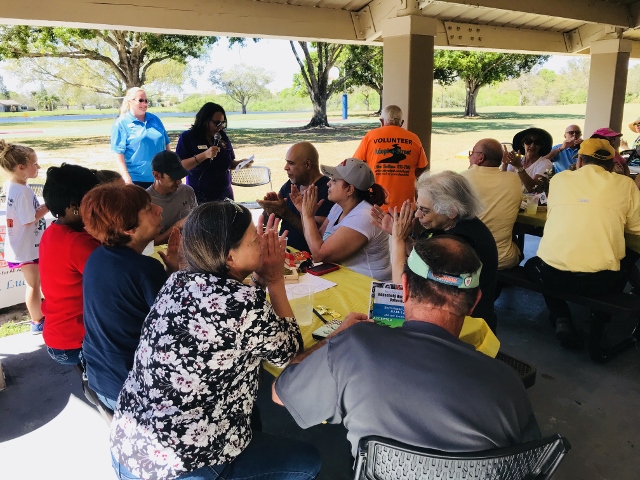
219,124
238,209
636,124
141,100
471,152
533,141
577,133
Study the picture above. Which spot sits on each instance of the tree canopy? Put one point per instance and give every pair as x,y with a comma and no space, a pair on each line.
362,67
242,83
481,68
317,60
126,56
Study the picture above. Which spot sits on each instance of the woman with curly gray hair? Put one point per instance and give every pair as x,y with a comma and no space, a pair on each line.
446,202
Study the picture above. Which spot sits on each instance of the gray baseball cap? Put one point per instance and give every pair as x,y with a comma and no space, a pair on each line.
353,171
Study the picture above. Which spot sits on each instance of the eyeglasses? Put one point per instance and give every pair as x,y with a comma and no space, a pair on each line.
221,123
471,152
140,100
577,133
423,210
533,141
237,207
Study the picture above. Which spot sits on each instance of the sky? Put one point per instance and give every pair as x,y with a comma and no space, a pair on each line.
274,56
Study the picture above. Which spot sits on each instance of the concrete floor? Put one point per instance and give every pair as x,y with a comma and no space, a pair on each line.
47,430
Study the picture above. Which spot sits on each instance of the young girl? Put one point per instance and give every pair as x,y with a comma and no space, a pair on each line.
24,223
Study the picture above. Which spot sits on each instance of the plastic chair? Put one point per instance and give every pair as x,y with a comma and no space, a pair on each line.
251,177
382,459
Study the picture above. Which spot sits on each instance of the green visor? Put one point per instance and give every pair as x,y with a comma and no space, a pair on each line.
464,280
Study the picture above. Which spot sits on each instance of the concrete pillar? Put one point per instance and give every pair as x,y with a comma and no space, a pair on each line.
408,72
607,84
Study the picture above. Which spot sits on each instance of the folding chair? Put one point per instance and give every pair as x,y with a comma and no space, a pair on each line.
251,177
37,188
382,459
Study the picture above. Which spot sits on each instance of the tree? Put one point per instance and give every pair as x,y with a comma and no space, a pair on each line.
46,100
362,66
483,68
126,55
4,93
319,58
242,83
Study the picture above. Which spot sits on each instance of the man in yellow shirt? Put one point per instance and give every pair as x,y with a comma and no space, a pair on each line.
395,155
583,247
501,195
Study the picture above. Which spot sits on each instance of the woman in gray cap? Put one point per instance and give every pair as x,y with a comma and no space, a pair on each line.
347,235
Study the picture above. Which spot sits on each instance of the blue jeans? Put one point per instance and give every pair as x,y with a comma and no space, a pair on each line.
267,457
108,402
66,357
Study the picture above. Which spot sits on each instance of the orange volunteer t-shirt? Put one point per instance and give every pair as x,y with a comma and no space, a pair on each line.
393,153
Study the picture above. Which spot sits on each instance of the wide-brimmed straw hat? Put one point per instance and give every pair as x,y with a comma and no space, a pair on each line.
632,126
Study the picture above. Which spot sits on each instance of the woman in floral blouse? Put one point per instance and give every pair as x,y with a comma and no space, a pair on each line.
184,411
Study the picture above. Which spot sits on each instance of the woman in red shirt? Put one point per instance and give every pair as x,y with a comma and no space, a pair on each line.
64,249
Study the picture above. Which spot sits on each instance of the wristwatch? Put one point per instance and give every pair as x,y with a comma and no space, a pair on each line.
520,170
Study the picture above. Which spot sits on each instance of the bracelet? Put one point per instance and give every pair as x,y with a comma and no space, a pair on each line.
257,283
520,170
194,157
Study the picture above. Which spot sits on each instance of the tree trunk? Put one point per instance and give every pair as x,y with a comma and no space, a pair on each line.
319,118
470,100
520,98
244,108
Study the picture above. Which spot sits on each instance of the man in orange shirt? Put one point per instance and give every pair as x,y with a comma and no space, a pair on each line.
395,155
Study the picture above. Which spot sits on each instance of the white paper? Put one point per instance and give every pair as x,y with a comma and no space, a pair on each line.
243,163
318,283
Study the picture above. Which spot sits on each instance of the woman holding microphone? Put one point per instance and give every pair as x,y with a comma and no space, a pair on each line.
206,151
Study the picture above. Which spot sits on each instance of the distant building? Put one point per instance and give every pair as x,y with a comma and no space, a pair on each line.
12,106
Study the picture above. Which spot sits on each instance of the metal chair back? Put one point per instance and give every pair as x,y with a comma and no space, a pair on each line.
37,188
251,177
382,459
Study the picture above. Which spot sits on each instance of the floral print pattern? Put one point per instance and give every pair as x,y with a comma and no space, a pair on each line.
187,401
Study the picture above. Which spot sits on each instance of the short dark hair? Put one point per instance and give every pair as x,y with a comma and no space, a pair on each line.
66,186
210,232
205,114
108,211
589,160
106,176
445,255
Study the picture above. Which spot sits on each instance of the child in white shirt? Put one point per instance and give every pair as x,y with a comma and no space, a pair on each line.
24,223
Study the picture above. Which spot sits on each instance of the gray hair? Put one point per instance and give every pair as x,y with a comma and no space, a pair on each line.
210,232
392,115
451,194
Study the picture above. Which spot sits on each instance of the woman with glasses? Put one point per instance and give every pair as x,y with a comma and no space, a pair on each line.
446,202
185,409
528,160
136,136
206,151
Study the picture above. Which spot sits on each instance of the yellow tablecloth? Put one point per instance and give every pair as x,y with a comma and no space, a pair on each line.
352,295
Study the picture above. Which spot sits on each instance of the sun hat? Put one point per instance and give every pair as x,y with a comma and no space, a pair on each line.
353,171
541,134
598,148
632,126
607,132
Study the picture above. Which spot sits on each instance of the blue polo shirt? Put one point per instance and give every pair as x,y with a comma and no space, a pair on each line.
139,141
564,158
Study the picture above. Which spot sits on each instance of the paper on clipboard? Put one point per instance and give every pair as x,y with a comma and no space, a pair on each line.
244,163
317,283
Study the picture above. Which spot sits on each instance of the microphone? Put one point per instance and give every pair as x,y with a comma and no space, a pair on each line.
216,139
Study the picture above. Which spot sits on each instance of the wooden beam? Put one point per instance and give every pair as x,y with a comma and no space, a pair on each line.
593,11
241,18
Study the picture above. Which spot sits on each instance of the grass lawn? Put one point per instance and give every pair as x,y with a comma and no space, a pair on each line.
267,136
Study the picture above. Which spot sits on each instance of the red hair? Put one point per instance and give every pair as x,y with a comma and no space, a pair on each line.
108,211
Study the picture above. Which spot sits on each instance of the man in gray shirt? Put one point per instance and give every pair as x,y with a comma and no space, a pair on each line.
417,384
168,191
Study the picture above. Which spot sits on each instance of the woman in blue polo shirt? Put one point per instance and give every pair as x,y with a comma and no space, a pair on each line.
136,136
